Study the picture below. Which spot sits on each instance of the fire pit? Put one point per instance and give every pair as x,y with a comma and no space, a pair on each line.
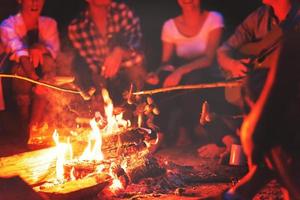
109,155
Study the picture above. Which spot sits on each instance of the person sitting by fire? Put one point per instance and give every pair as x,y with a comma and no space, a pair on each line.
192,38
258,26
107,36
249,51
269,131
33,42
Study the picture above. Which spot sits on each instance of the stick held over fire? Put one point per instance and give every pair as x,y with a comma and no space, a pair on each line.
86,95
190,87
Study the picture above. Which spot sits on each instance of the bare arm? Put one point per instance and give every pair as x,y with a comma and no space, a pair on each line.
235,67
167,52
244,34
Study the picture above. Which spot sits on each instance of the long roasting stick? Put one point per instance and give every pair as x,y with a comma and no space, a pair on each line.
39,83
190,87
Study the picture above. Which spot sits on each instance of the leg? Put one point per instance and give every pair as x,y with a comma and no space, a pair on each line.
22,92
252,182
40,102
287,169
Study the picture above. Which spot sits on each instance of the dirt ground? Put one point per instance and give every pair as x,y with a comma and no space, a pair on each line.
208,179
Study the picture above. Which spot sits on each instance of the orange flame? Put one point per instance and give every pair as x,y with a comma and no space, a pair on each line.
115,123
61,150
116,183
94,153
93,150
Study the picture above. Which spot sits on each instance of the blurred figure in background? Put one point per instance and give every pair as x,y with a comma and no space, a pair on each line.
270,133
33,43
107,37
189,43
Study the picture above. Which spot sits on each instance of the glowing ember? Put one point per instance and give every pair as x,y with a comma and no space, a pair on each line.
116,183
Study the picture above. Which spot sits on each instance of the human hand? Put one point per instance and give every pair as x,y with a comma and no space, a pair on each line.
152,78
36,56
112,63
173,79
238,68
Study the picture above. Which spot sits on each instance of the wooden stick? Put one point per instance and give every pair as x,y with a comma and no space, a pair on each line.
40,83
190,87
33,167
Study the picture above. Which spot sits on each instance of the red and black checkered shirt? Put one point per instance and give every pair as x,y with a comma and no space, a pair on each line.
123,30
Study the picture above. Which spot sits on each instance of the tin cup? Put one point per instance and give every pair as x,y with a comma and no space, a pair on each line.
237,156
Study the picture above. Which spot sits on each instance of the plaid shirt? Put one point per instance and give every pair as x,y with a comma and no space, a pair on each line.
123,30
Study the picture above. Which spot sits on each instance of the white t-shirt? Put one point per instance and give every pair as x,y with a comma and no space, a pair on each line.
191,47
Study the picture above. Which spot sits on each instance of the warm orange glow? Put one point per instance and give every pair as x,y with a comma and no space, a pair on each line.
93,152
116,183
140,120
61,149
72,177
110,124
115,123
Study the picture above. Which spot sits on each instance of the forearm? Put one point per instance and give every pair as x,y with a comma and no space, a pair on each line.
200,63
224,59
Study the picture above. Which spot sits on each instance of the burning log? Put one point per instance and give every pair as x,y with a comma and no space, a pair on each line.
127,143
77,189
144,168
33,167
80,169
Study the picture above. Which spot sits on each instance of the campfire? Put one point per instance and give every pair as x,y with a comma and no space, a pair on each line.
106,157
110,156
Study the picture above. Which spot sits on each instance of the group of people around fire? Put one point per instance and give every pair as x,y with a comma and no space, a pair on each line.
107,41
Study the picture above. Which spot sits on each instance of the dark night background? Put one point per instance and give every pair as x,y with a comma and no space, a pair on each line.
151,12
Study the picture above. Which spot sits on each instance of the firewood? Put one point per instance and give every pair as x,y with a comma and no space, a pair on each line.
81,169
144,168
78,189
33,167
